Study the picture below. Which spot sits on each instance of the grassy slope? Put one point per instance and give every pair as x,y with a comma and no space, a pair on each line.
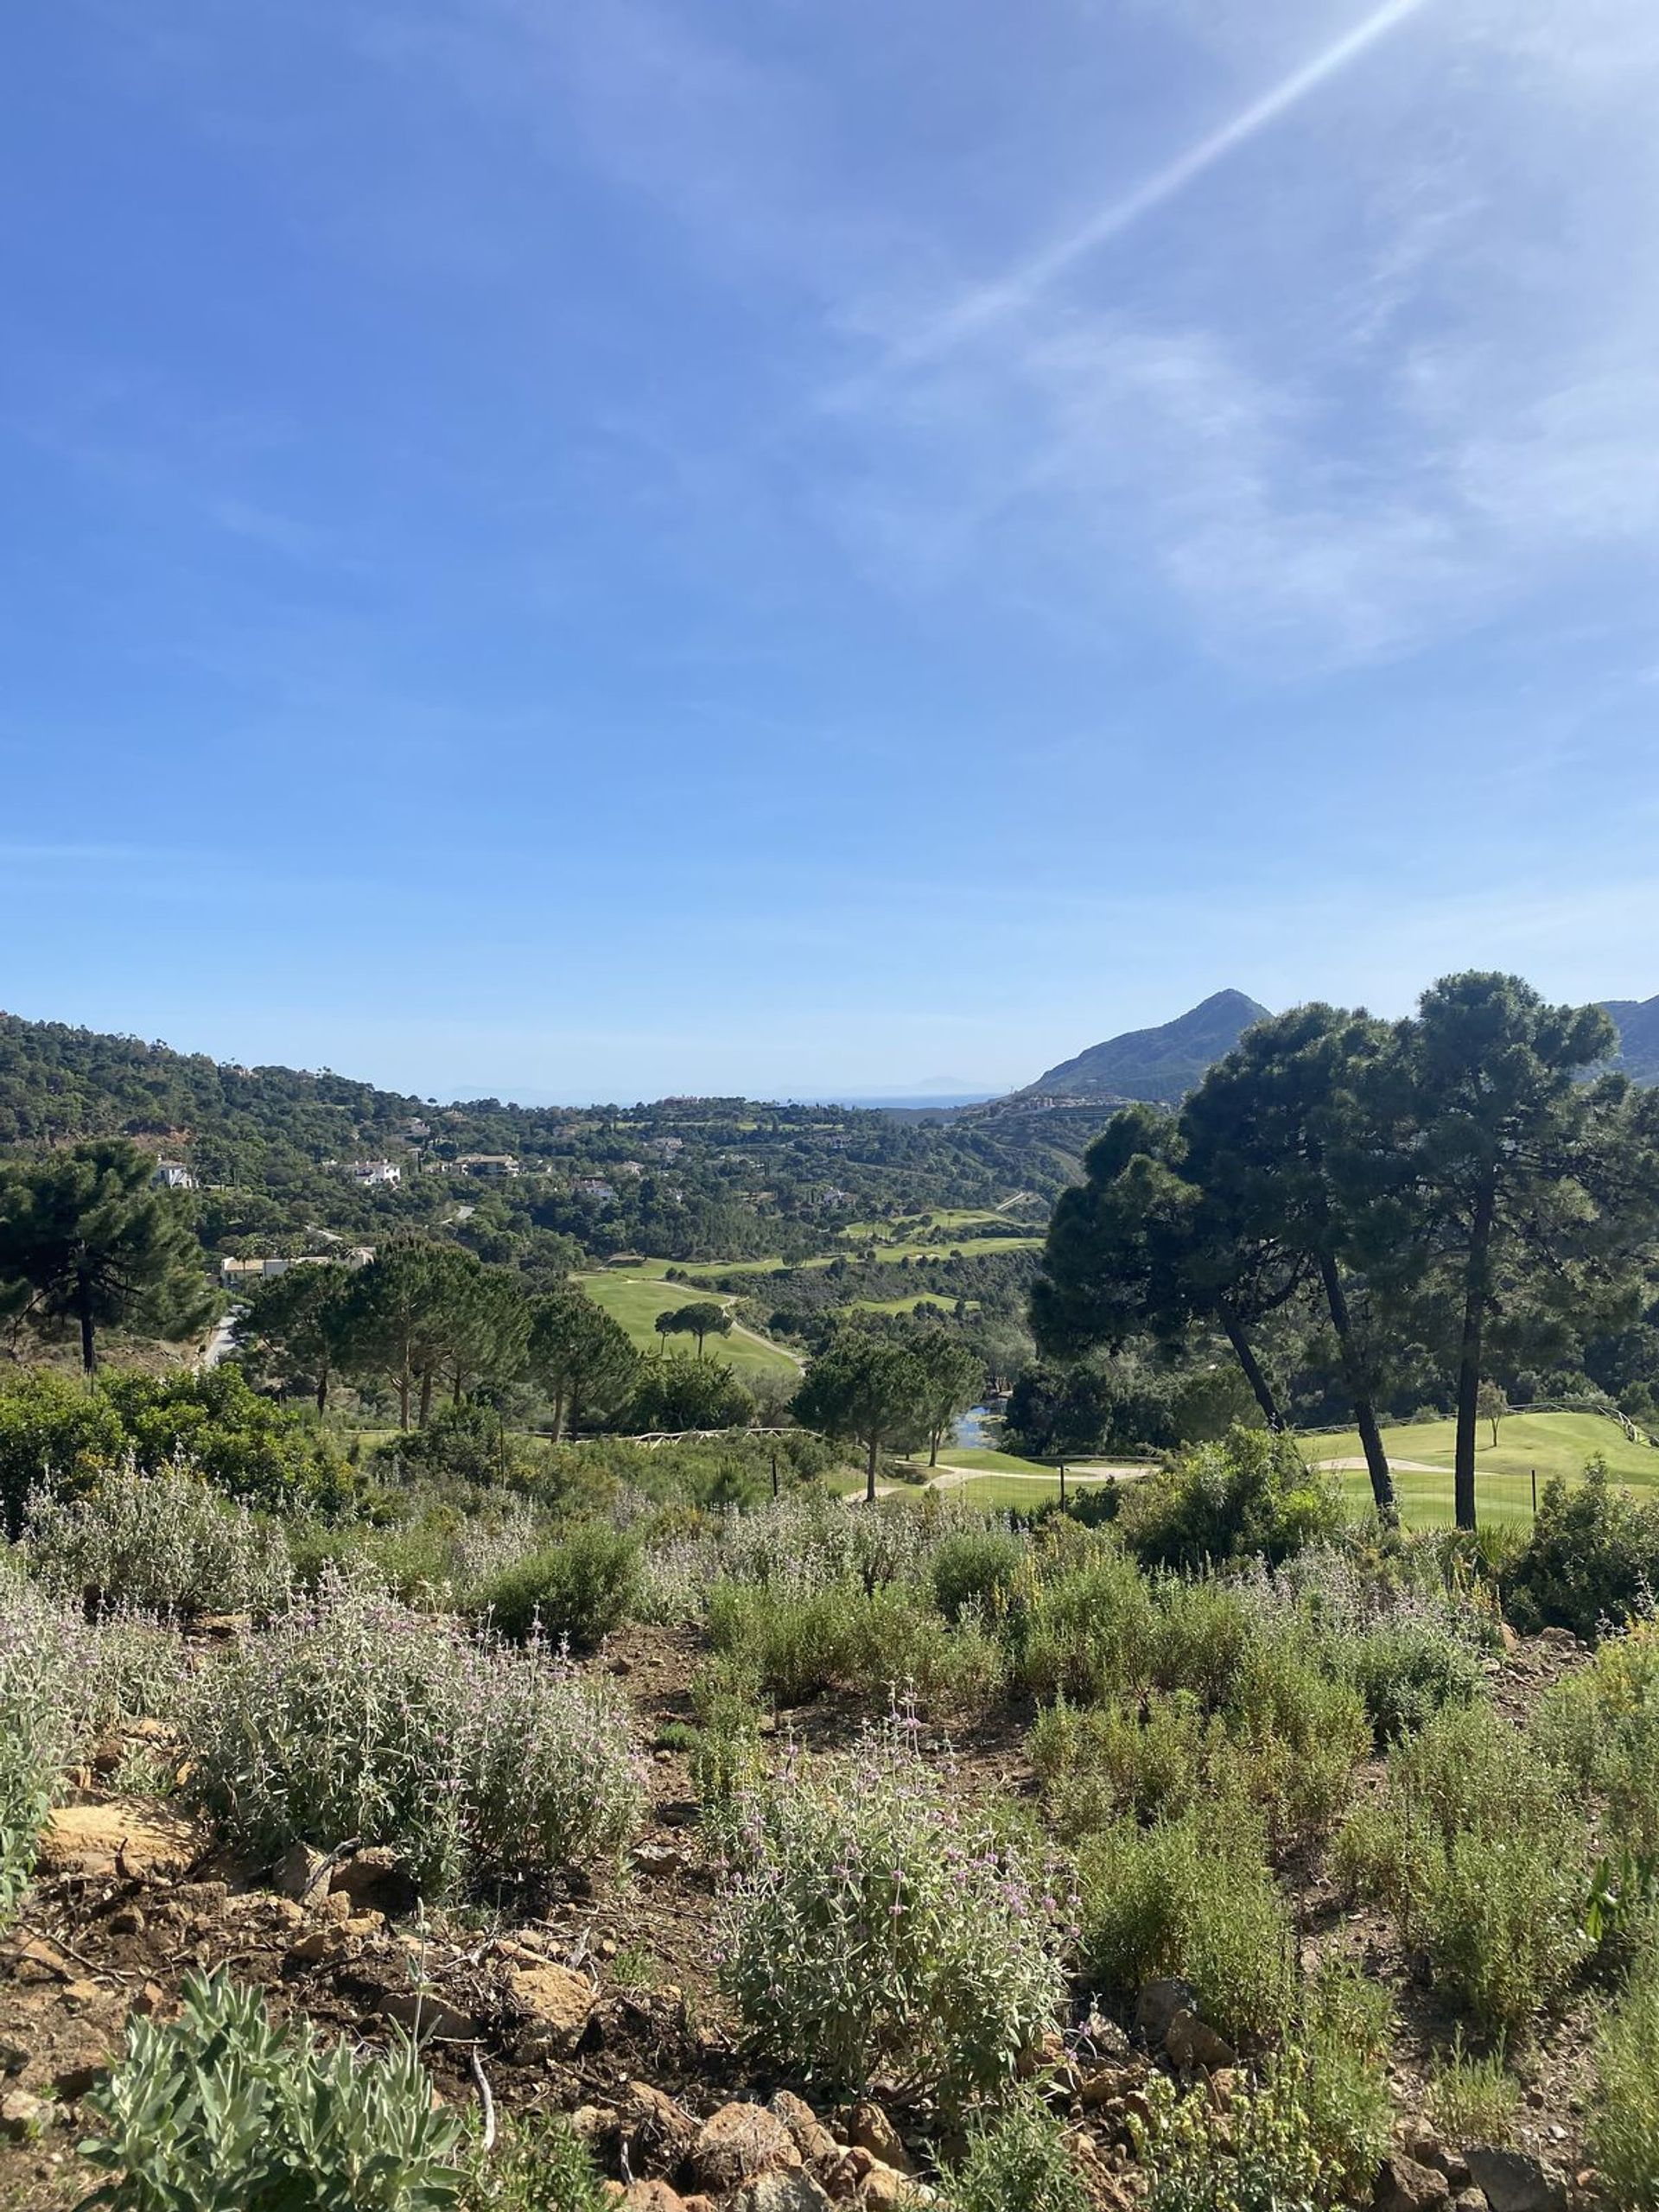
635,1299
1554,1444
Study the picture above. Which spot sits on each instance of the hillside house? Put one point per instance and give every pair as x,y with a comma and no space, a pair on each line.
490,1164
594,1187
374,1171
173,1175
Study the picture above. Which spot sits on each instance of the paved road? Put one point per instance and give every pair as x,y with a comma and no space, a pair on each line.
221,1344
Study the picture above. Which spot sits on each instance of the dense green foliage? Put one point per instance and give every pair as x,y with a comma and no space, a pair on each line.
222,2107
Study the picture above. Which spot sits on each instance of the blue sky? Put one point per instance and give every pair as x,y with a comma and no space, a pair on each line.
584,551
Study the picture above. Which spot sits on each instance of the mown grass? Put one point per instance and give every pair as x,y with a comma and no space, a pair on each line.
1553,1444
636,1299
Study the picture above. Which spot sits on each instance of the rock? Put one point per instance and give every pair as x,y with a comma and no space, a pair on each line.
679,1812
1514,2181
376,1880
738,2142
1190,2044
1156,2006
806,2131
1404,2185
298,1872
791,2191
1104,2037
22,2118
149,2000
657,1858
661,2131
652,2196
327,1945
1470,2200
886,2190
552,2008
13,2058
869,2129
134,1837
128,1920
425,2014
1100,2086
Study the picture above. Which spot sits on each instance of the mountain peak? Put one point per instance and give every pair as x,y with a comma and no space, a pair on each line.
1159,1064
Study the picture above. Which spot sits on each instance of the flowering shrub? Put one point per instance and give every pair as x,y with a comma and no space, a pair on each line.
1265,2161
871,1923
165,1542
352,1715
61,1677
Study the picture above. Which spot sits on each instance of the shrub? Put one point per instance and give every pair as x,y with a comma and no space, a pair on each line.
53,1433
1191,1897
354,1716
575,1592
1407,1670
1265,2160
872,1923
1252,1495
1624,2122
1340,2052
1473,2099
538,2165
1591,1560
1080,1627
1286,1739
975,1567
1602,1726
60,1678
165,1543
1483,1862
1310,2138
252,1448
221,2107
1015,2157
877,1642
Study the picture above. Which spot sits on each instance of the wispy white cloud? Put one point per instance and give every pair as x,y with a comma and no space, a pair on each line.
1014,294
1353,368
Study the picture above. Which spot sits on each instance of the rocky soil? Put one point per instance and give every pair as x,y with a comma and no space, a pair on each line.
600,2004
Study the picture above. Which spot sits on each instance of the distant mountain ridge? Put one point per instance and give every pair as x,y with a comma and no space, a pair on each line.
1161,1065
1637,1023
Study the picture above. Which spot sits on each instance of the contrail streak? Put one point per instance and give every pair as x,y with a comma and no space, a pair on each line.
991,303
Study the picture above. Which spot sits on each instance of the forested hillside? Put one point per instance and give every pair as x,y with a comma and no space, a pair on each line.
271,1151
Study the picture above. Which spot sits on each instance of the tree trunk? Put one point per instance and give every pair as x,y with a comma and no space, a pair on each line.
322,1389
403,1400
1477,1291
425,1415
558,1415
1253,1375
933,1455
869,1472
88,1342
1360,1390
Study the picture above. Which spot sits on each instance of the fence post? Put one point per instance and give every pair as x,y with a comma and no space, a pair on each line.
1062,1485
774,1470
1534,1493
